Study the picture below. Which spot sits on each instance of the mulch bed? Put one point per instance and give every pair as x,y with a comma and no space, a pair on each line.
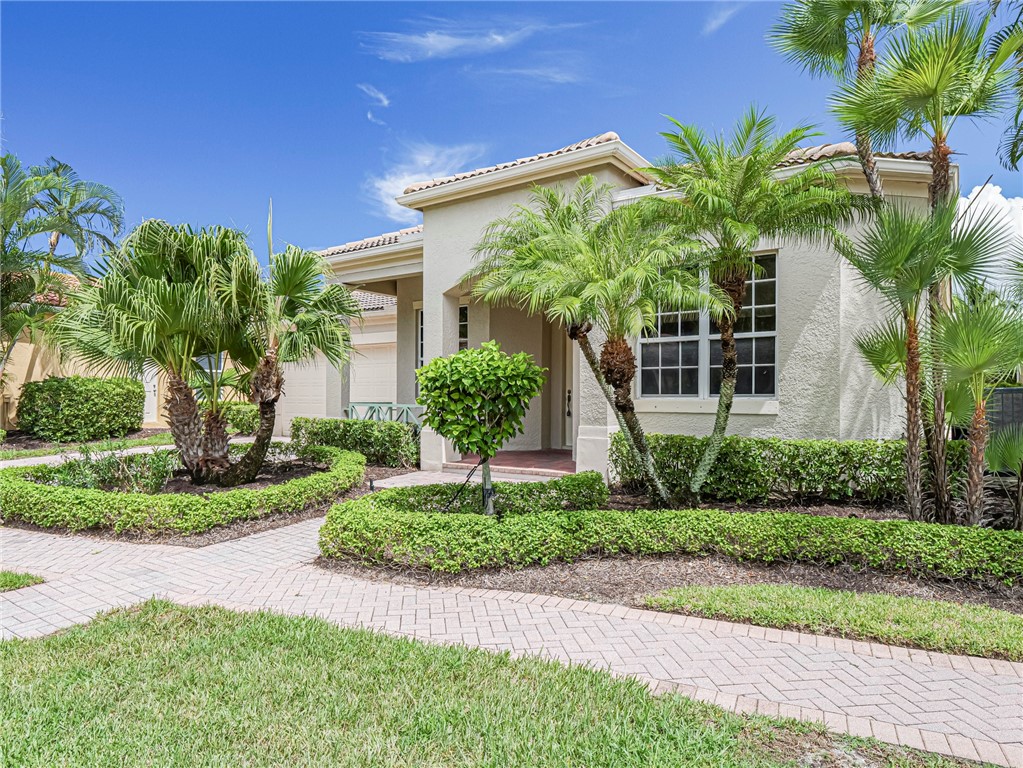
237,529
20,441
270,474
628,580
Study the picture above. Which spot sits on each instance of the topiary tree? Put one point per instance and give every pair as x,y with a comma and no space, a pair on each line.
477,399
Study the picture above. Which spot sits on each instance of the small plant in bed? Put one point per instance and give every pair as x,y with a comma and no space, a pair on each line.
149,493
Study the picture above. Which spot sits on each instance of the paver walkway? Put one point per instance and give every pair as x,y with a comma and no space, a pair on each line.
951,704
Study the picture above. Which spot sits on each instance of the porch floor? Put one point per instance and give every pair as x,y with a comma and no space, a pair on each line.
549,462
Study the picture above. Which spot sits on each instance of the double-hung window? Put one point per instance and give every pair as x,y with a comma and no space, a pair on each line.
681,356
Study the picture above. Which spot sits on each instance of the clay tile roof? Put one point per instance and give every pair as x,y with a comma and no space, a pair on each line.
388,238
806,155
374,302
603,138
54,299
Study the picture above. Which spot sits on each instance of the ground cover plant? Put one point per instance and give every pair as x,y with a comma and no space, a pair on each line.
79,508
377,530
14,580
933,625
161,684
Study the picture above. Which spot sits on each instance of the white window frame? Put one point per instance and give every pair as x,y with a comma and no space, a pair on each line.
705,338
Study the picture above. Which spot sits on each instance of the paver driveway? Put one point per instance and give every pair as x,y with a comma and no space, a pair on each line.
951,704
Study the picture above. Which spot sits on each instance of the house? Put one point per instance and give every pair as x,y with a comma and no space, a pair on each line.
800,376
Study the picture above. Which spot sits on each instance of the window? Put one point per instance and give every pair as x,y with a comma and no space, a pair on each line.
420,339
211,364
682,356
463,327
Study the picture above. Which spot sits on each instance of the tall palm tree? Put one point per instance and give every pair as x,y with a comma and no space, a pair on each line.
1011,149
981,346
901,255
840,38
29,280
170,298
930,80
583,264
732,195
89,209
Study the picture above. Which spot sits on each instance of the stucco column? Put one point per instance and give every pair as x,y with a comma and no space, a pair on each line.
595,423
410,292
440,338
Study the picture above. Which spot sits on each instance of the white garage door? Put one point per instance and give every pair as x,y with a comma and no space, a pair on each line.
373,371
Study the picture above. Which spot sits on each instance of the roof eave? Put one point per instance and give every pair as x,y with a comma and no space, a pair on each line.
616,153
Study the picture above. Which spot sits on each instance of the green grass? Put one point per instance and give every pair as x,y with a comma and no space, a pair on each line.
165,685
933,625
164,438
13,580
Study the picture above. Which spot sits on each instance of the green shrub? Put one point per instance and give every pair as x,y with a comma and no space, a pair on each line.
76,509
376,529
753,469
3,436
242,417
387,443
77,408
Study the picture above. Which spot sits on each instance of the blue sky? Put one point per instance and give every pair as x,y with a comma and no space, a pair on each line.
201,112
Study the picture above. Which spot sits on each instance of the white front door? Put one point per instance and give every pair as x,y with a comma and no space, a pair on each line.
151,410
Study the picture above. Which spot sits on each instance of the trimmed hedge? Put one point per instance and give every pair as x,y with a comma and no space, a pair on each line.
79,408
375,529
242,417
388,443
753,469
77,509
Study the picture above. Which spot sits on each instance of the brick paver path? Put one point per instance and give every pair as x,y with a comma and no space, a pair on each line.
956,705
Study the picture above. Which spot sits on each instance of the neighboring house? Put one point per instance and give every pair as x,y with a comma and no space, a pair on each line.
801,375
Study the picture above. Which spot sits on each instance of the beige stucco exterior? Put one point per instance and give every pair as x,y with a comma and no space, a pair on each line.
824,390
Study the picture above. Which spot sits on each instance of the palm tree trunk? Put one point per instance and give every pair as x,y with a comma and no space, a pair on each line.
185,424
581,336
864,151
914,483
214,441
938,191
735,288
618,367
975,470
267,385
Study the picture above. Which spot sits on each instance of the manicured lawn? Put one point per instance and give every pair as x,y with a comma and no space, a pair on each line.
102,445
930,624
165,685
13,580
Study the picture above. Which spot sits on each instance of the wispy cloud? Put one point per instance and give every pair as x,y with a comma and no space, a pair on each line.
553,75
448,39
373,118
720,15
420,161
375,94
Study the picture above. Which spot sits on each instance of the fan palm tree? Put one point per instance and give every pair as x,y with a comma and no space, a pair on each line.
1005,454
731,193
90,209
901,255
572,257
171,298
981,346
930,80
29,280
840,38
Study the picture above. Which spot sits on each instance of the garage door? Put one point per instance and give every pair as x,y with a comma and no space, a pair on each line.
373,371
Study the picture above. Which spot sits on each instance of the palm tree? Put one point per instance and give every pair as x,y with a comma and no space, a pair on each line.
930,80
89,209
731,193
901,255
583,264
1011,149
171,298
981,346
29,281
1005,454
840,38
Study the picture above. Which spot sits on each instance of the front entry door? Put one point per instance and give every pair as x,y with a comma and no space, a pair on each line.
568,396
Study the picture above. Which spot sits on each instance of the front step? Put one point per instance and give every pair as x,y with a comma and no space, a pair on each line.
497,469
